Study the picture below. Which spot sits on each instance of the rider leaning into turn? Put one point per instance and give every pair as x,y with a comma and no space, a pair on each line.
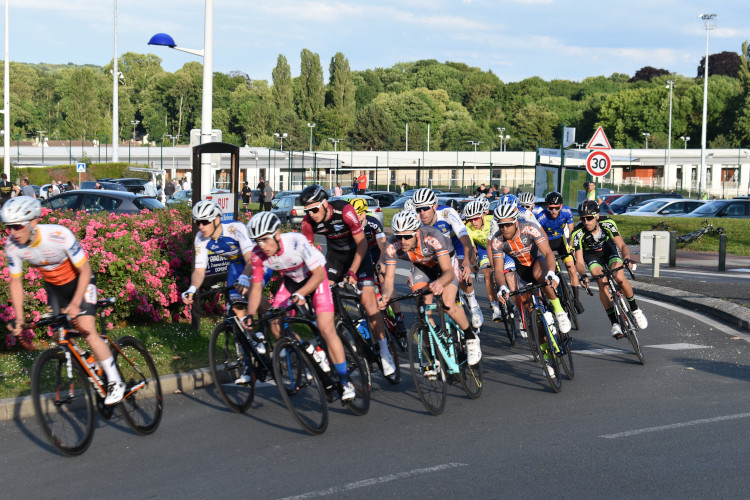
69,280
347,255
596,242
449,222
557,222
433,265
478,225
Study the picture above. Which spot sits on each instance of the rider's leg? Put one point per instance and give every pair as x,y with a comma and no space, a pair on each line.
456,313
375,317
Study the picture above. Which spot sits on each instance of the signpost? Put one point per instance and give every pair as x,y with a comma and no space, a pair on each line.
598,163
80,168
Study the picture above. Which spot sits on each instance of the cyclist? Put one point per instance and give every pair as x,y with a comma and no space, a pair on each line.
527,244
527,201
303,269
596,241
409,205
478,225
375,237
557,222
347,255
433,265
69,280
449,222
230,240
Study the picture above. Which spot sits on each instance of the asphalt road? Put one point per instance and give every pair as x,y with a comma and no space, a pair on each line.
676,427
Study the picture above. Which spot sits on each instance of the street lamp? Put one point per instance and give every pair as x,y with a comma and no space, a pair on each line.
208,83
174,139
41,140
475,144
670,86
6,101
685,140
335,143
505,142
312,126
646,135
135,124
281,137
502,136
710,21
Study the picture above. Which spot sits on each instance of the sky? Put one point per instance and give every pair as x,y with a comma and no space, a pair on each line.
515,39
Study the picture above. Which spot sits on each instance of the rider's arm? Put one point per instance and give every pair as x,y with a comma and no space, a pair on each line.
469,253
316,278
349,216
444,261
307,230
548,254
624,250
256,292
16,296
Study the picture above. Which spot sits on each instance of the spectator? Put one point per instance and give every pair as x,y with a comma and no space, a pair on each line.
267,197
6,189
169,189
70,186
361,182
355,186
496,191
403,187
149,189
186,184
54,189
481,191
337,191
506,190
26,189
98,186
246,194
590,188
261,199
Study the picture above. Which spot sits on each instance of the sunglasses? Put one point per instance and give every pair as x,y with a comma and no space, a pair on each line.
505,224
203,222
423,209
554,208
405,236
314,209
588,217
15,227
478,217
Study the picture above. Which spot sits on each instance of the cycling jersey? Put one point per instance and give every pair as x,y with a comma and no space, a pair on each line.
595,242
449,223
431,244
56,253
555,227
480,239
373,232
523,247
232,244
523,215
338,230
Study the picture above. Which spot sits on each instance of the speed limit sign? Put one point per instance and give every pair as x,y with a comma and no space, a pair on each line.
598,163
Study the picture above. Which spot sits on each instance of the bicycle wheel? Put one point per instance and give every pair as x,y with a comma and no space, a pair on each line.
470,376
628,325
510,324
532,340
536,323
143,404
358,375
426,370
300,387
227,364
565,340
352,339
63,403
568,302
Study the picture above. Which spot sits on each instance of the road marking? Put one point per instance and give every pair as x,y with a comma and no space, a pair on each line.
606,351
680,346
374,481
675,426
647,270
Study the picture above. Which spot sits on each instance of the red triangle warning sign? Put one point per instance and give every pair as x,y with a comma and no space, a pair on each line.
599,140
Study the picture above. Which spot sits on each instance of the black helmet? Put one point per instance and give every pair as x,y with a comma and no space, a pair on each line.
553,198
588,207
313,194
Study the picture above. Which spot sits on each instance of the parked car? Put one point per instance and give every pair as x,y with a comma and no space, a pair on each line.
373,208
132,184
621,204
281,194
665,206
733,209
410,192
385,198
182,196
399,203
99,200
455,203
344,191
609,198
289,209
108,185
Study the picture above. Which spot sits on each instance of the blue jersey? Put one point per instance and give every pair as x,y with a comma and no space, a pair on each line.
555,228
449,223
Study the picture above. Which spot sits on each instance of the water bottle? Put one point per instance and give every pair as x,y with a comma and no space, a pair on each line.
363,329
257,339
308,348
550,322
321,359
91,362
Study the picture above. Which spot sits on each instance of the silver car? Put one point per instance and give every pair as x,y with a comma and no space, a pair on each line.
288,209
373,206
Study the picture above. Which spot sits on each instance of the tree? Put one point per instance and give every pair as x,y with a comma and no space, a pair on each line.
340,96
724,63
647,73
309,88
374,129
283,92
81,103
744,69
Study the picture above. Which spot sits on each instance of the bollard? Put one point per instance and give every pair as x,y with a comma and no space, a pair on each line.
654,261
673,249
722,252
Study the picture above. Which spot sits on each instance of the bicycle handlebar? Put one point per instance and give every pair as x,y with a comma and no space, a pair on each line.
412,295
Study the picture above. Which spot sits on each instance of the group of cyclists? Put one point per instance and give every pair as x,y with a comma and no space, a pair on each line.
516,244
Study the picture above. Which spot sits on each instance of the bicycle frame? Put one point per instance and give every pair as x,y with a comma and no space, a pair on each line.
538,303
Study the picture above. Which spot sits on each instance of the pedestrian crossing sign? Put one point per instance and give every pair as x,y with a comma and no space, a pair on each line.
81,167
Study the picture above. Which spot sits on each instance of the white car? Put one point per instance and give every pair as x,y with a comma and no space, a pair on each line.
373,207
667,207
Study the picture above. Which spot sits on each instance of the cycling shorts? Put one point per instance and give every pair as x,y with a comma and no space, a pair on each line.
322,300
483,260
58,296
422,276
598,259
338,263
562,248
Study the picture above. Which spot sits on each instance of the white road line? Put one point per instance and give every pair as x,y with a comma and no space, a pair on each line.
373,481
680,346
699,273
675,426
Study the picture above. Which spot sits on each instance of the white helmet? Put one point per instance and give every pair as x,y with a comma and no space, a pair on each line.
482,200
262,224
21,209
506,211
409,205
526,199
424,197
206,210
405,222
473,209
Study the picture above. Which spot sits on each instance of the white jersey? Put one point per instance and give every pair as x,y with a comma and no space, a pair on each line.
233,243
295,259
57,254
450,224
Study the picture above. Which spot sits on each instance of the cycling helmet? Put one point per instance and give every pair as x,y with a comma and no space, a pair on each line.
21,209
359,204
405,222
409,205
506,211
484,202
262,224
453,203
508,198
313,194
553,198
526,199
424,197
588,207
206,210
473,209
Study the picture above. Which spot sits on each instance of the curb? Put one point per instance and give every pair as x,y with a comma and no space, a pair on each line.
22,407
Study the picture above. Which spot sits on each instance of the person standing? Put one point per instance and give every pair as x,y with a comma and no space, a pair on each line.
6,189
169,189
54,189
337,191
355,185
403,187
261,199
149,189
590,188
26,189
267,196
70,186
361,182
246,193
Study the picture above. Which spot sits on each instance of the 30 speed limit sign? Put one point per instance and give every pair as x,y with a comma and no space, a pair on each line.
598,163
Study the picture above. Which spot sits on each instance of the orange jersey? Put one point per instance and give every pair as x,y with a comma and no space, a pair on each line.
56,253
523,247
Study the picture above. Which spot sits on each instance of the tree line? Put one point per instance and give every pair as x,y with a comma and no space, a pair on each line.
369,110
